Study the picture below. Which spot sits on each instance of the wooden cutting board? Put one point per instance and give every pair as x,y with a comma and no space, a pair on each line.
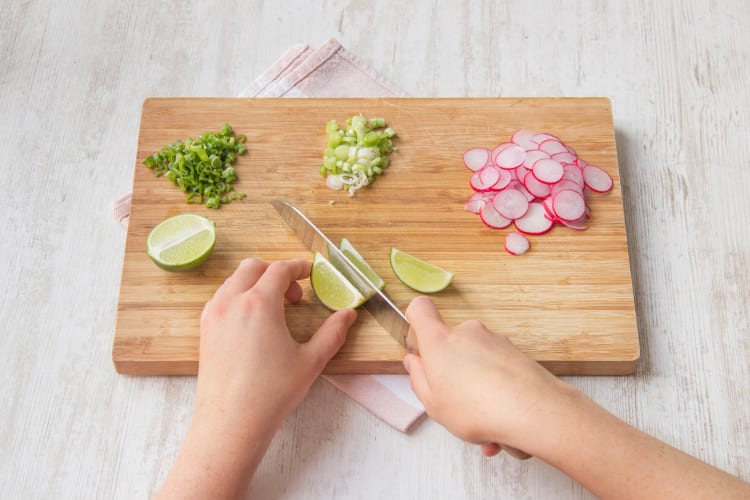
567,303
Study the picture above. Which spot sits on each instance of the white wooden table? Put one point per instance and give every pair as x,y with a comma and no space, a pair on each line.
72,80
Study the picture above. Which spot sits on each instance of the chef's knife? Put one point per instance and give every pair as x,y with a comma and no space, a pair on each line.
379,305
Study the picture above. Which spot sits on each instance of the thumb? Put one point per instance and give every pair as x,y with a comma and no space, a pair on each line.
424,318
417,377
329,338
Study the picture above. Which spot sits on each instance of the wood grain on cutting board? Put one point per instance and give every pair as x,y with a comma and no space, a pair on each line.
567,303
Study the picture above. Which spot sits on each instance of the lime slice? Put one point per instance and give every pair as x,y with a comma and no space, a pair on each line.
182,242
331,287
360,263
418,274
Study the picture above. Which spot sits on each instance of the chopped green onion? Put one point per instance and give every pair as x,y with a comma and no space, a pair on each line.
357,154
202,167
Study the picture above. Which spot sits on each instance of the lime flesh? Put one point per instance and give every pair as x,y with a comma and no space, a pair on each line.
419,274
331,287
360,263
182,242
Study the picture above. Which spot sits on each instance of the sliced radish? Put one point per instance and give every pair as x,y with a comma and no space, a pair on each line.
521,173
522,137
549,211
578,225
492,218
511,157
565,184
573,173
511,203
569,205
548,170
597,179
532,156
534,181
536,187
476,158
552,146
565,157
499,149
516,244
535,220
476,201
484,178
540,138
505,178
522,189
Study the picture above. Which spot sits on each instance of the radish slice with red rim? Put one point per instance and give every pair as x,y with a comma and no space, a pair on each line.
597,179
499,149
536,187
565,184
581,163
476,158
476,201
516,244
549,212
521,173
535,221
492,218
573,173
565,157
505,178
522,137
510,157
511,203
569,205
548,170
484,178
532,156
540,138
552,147
578,225
522,189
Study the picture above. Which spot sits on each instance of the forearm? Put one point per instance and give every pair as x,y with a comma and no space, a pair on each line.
215,464
614,460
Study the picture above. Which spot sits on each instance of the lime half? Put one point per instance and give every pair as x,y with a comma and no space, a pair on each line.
351,253
182,242
418,274
331,287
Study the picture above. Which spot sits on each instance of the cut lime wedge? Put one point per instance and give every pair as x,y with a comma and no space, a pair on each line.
351,253
418,274
331,287
182,242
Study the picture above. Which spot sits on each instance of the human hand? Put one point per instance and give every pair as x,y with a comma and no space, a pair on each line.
478,386
252,372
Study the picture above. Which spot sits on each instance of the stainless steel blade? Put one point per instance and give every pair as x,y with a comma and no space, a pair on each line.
379,305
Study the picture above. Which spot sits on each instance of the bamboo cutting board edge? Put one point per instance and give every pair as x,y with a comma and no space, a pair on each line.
146,354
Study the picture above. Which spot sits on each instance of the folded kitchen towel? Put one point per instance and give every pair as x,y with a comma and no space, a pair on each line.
332,71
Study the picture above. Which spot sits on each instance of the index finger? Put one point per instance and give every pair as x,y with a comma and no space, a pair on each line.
424,318
281,274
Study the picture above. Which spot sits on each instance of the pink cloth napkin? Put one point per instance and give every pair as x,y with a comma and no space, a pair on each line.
332,71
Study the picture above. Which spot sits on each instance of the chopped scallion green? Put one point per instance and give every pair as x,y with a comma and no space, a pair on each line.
202,167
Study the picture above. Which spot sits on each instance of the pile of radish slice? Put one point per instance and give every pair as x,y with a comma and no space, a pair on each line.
533,182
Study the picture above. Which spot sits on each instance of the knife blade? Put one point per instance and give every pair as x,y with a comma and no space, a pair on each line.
387,314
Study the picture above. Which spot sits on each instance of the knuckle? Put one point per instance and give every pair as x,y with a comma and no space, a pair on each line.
250,262
473,324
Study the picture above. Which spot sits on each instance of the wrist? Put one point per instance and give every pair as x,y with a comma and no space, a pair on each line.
552,424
